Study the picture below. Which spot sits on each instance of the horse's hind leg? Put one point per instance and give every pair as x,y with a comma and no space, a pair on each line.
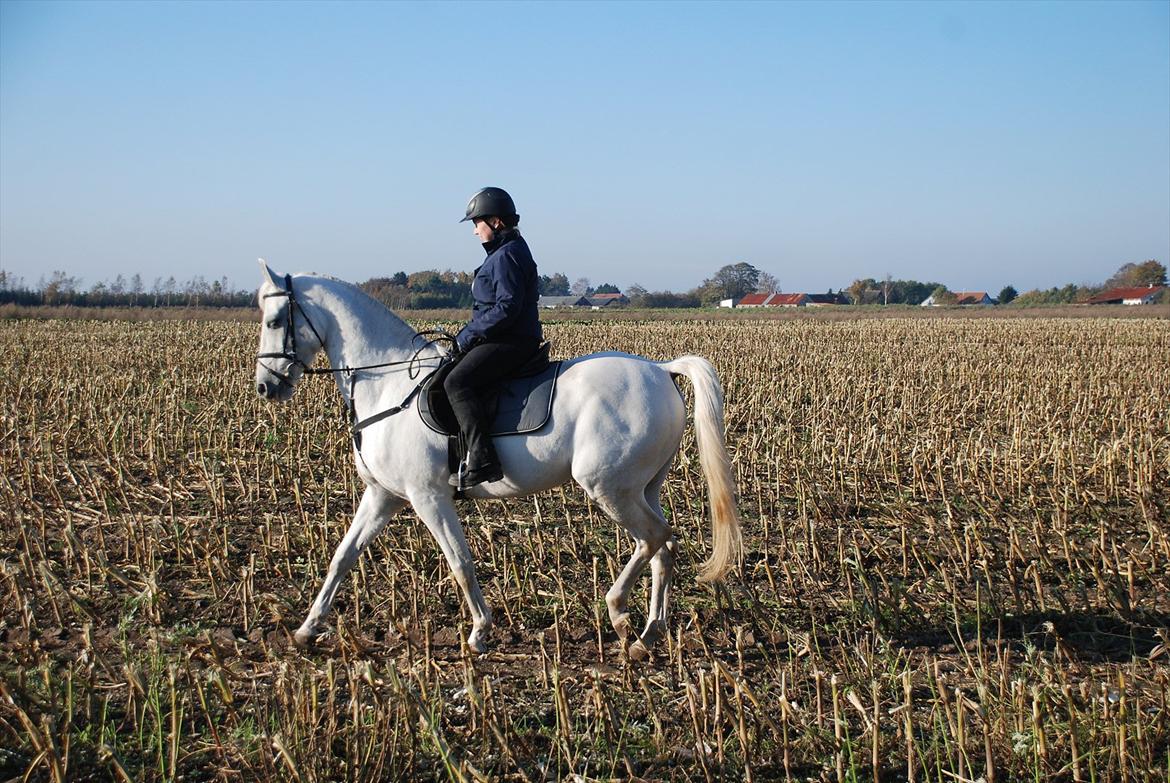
661,573
376,507
633,513
661,569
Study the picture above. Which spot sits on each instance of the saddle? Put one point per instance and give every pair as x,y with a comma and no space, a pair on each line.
522,404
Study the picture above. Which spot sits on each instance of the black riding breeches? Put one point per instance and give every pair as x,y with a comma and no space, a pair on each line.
479,372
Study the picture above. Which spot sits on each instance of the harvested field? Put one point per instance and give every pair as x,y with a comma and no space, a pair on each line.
957,568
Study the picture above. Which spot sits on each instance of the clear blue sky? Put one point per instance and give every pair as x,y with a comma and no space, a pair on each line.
977,144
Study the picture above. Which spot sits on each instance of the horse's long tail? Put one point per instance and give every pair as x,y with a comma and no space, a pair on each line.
727,540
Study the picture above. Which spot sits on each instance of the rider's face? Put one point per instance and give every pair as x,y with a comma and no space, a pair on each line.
483,230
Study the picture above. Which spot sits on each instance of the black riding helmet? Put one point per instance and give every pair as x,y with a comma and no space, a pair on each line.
492,201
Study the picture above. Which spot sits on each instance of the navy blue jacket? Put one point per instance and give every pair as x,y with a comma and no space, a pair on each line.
505,289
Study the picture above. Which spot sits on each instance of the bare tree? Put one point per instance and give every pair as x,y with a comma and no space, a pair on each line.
10,282
767,284
60,288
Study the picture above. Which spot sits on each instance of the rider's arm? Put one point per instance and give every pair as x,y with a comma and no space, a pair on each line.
507,284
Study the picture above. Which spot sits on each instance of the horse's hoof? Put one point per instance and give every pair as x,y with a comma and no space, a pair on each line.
653,633
305,639
477,642
622,625
637,651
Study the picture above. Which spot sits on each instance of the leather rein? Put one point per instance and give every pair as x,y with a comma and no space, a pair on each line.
289,354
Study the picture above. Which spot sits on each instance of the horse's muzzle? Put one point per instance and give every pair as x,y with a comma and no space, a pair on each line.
274,390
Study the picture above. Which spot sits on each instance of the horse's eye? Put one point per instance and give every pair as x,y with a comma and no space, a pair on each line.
273,324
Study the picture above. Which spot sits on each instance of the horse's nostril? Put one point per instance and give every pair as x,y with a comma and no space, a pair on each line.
262,389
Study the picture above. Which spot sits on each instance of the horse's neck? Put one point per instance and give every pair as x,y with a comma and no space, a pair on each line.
361,332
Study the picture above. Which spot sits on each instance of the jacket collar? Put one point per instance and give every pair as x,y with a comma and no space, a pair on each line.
500,238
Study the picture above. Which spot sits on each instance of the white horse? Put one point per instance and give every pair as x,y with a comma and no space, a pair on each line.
616,424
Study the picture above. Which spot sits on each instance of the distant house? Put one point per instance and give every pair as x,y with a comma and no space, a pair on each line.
753,300
607,300
821,300
1129,296
773,300
964,298
550,302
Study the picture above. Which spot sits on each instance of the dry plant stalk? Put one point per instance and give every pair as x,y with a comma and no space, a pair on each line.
956,559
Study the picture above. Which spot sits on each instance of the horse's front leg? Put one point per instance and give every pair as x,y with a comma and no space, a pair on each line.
438,513
375,509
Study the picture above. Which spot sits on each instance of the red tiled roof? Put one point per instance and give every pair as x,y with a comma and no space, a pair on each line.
970,297
1118,294
754,299
786,299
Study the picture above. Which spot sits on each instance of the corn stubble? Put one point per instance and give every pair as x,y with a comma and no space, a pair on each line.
956,568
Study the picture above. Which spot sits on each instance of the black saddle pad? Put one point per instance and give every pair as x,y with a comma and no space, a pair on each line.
522,404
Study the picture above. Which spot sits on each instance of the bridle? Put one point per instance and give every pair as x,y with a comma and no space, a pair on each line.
289,354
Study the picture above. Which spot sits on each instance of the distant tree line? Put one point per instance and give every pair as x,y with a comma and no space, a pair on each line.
60,288
432,289
1140,275
888,291
427,289
731,281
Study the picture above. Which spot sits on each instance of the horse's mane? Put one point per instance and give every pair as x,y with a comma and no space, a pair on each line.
379,307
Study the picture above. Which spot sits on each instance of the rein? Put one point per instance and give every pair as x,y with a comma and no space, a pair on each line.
289,354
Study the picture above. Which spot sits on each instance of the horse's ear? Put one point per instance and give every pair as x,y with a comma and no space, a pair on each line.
270,276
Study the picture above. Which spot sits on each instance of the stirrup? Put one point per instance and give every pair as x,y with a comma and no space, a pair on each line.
466,478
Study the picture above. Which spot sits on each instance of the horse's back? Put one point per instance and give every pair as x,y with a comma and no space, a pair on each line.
615,375
616,418
619,391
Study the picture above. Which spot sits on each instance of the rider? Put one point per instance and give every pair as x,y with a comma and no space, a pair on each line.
504,331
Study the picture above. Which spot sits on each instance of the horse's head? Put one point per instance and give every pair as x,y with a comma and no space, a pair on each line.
288,340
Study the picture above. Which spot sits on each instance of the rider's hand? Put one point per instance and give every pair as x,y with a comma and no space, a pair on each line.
464,342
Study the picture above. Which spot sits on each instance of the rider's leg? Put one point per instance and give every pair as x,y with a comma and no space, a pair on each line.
478,372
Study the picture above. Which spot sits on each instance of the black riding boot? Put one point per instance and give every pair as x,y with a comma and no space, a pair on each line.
472,382
482,464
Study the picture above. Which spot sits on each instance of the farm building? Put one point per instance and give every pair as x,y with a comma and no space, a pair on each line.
550,302
773,300
1129,296
964,298
606,300
822,300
